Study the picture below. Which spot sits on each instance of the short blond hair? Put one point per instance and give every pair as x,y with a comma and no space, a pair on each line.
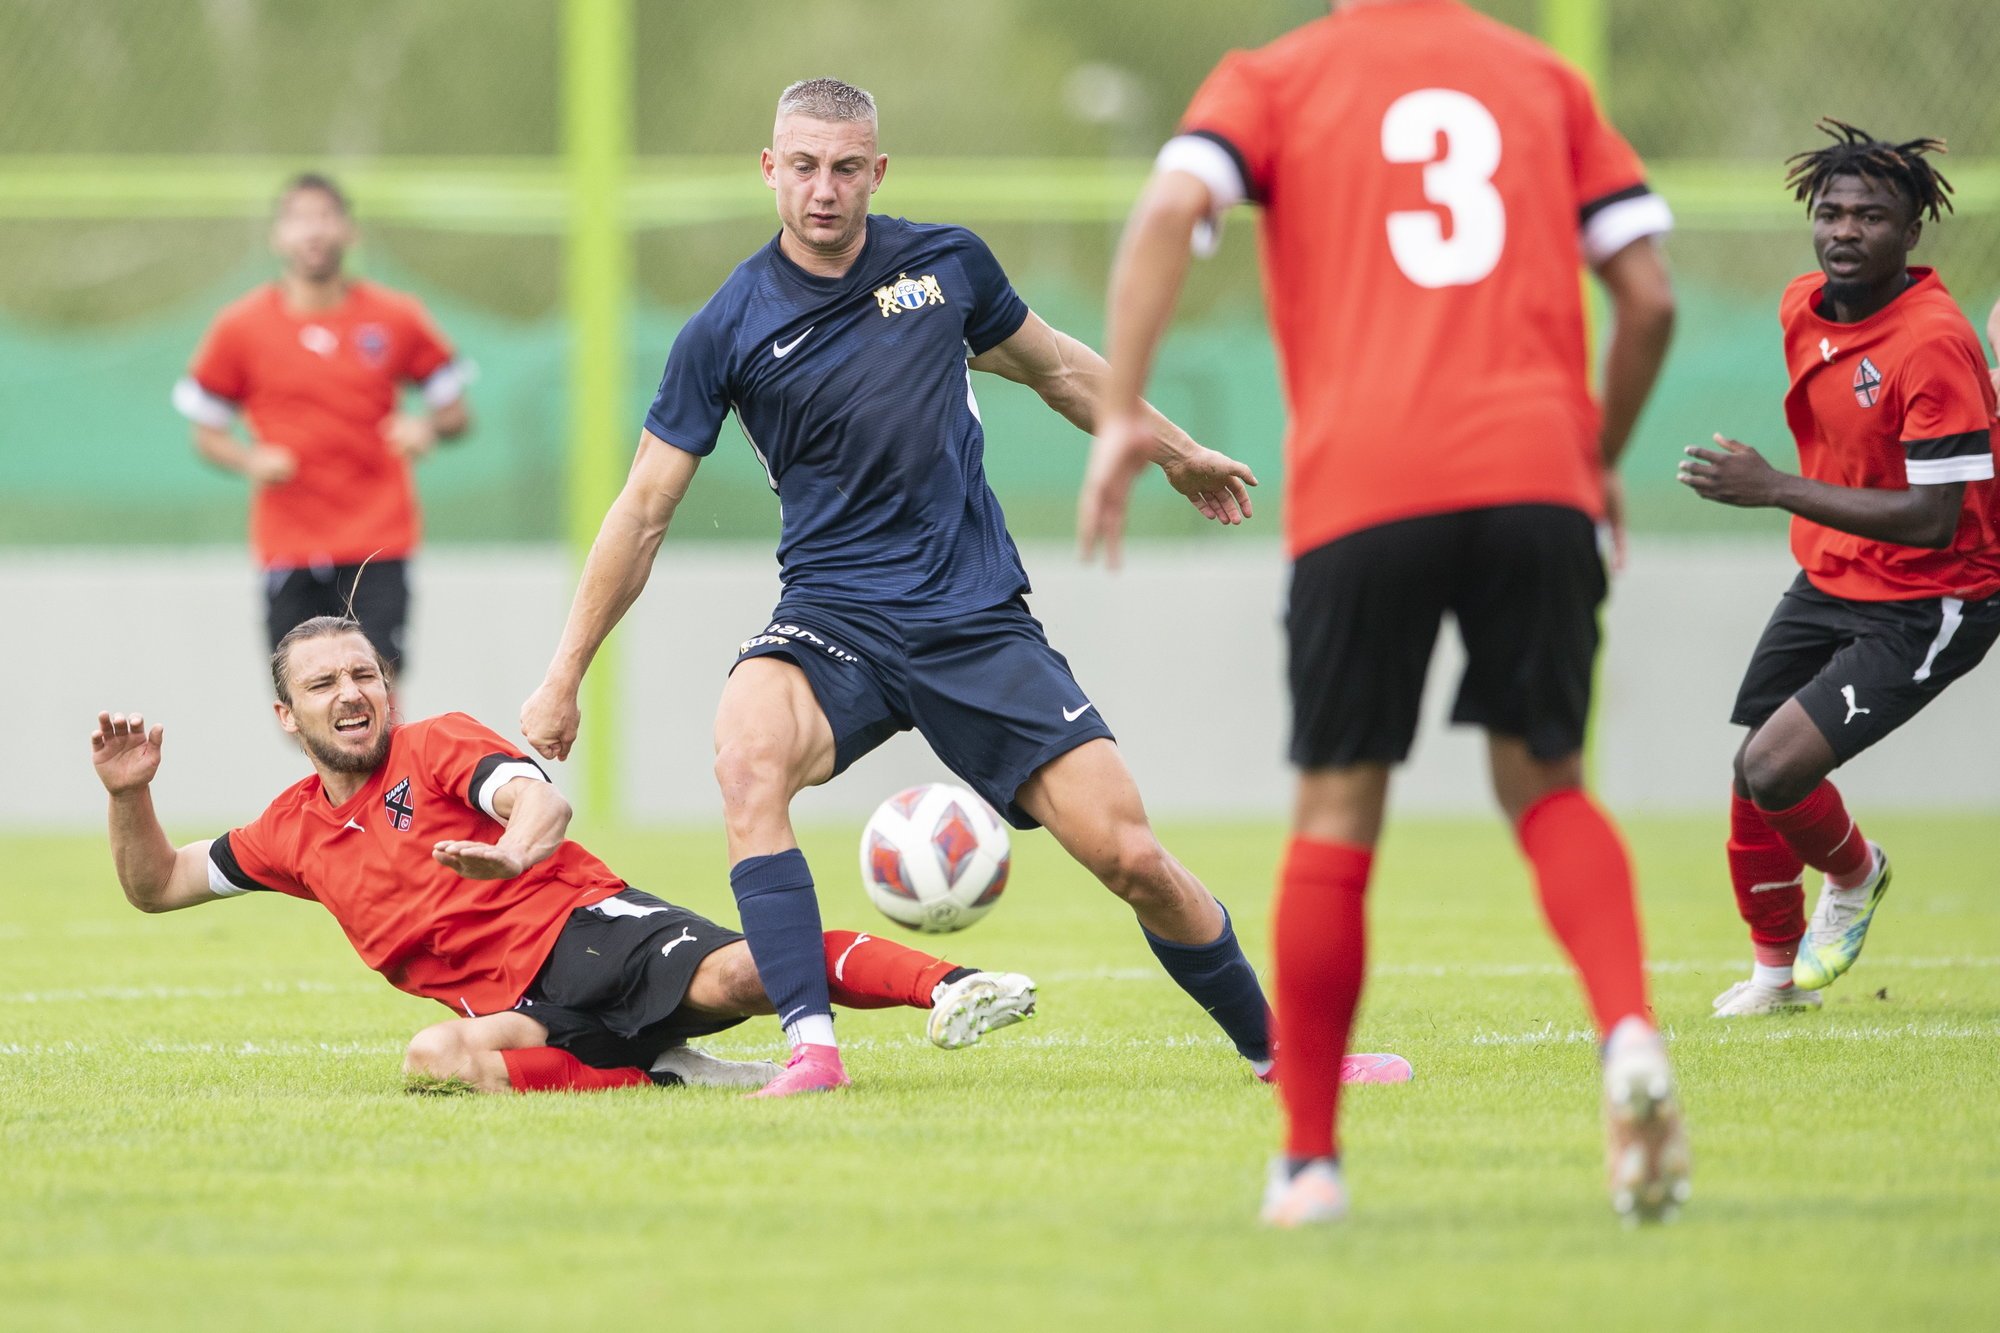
826,99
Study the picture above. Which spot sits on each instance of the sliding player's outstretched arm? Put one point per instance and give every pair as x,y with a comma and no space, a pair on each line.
156,876
1072,379
536,816
613,577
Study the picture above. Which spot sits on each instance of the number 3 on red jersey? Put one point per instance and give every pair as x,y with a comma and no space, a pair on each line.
1461,182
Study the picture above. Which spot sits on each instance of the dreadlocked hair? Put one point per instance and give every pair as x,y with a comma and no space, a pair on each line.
1904,167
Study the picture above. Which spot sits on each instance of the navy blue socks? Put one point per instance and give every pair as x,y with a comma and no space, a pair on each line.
1221,981
774,895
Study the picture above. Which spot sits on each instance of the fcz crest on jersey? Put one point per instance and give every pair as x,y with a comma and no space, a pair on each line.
908,293
373,341
398,804
1867,383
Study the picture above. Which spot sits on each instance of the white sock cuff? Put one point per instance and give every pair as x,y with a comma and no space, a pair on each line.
812,1030
1769,977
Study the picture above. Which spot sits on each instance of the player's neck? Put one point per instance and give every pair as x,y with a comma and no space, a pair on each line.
310,296
340,788
1846,305
822,263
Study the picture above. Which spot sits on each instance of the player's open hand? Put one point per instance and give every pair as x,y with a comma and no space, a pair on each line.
124,753
480,860
410,435
1731,474
1118,455
270,464
1214,483
549,720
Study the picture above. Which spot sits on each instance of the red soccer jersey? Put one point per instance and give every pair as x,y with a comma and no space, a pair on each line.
1900,399
321,385
1431,183
472,944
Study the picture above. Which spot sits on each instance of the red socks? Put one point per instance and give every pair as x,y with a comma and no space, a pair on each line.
549,1069
1822,834
863,972
1766,873
1319,930
1585,881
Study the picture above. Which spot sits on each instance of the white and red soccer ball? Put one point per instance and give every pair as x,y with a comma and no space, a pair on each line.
934,858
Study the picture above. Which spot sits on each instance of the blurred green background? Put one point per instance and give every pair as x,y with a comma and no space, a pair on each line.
140,141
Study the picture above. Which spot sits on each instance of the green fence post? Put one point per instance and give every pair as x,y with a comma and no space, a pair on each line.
597,271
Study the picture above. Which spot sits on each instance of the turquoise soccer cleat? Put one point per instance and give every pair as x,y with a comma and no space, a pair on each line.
1839,927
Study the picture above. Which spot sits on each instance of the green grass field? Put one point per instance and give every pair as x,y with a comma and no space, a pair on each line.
204,1126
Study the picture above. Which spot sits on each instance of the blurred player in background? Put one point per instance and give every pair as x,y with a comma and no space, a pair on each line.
313,363
845,348
1896,529
1431,182
439,848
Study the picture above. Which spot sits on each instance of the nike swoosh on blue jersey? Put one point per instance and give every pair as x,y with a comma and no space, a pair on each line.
780,349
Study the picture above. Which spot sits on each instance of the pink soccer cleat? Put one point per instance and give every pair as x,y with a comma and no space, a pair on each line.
812,1068
1362,1069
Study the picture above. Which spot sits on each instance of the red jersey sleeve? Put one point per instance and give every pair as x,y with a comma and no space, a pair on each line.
252,858
1232,107
1614,205
219,366
1947,402
470,762
429,350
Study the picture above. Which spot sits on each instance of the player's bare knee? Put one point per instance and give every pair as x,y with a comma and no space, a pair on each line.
1776,778
1141,871
437,1052
753,773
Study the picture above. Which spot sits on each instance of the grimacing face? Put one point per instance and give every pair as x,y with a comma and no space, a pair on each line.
1863,231
340,703
824,173
311,235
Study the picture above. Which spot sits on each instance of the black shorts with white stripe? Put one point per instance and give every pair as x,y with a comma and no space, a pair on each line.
1861,669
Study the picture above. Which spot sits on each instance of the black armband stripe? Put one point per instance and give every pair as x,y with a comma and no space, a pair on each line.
1596,206
483,772
224,857
1251,189
1965,444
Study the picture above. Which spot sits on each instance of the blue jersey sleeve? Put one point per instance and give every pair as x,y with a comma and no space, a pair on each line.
693,397
997,310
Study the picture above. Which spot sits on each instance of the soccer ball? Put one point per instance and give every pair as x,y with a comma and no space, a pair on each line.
934,858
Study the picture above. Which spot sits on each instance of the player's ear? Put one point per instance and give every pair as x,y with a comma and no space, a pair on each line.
768,162
285,718
881,170
1916,230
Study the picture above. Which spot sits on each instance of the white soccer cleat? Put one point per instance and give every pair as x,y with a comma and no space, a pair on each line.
1645,1142
1747,999
965,1010
1315,1194
679,1065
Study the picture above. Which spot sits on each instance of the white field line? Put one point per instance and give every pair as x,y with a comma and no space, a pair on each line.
1547,1035
1458,971
87,994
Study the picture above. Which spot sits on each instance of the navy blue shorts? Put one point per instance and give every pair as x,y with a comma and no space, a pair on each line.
984,688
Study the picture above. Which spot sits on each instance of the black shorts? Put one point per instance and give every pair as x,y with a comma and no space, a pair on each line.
1861,669
994,700
381,601
610,991
1524,583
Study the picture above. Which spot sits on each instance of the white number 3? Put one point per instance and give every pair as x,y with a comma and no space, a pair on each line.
1461,182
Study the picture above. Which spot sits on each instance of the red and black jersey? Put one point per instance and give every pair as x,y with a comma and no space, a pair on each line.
472,944
321,385
1900,399
1432,182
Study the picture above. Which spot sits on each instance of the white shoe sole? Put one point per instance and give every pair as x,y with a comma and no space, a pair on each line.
1645,1142
982,1005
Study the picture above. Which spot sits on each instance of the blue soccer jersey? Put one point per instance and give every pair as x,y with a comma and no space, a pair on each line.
856,395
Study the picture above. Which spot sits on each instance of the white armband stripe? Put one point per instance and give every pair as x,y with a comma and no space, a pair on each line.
447,384
218,883
1615,226
202,407
1210,163
1944,471
500,777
